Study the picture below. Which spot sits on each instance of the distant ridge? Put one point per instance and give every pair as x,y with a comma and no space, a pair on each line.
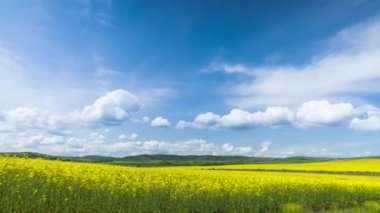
170,160
176,160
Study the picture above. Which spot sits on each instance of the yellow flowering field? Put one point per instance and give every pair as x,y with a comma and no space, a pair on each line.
350,165
36,185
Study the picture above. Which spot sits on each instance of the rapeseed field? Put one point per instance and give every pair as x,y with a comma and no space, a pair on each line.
37,185
349,165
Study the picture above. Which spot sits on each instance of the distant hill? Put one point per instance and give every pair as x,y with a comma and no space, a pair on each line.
171,160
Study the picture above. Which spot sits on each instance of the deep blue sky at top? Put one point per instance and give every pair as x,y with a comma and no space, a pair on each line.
172,40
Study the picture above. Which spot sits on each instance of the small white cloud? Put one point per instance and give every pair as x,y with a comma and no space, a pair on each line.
184,124
160,122
207,118
371,121
145,119
110,109
265,146
134,136
142,120
231,149
97,138
123,137
320,113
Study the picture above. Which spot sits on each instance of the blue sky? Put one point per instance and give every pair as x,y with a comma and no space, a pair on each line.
257,78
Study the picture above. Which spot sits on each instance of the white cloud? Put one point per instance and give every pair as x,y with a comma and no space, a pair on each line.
145,119
142,120
371,121
240,119
184,124
345,71
272,116
23,118
197,147
124,137
264,147
309,114
160,122
207,118
230,149
97,144
320,113
111,109
134,136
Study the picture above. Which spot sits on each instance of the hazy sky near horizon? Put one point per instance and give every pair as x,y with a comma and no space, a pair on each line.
257,78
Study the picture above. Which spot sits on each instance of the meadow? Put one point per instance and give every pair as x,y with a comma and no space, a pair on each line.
38,185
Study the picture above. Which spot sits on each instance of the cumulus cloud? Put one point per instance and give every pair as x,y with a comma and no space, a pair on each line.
349,68
241,119
160,122
321,113
369,122
309,114
207,118
23,118
272,116
111,109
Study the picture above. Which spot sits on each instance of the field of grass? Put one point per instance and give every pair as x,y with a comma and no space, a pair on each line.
37,185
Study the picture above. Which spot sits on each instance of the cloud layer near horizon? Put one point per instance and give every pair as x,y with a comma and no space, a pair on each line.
110,109
309,114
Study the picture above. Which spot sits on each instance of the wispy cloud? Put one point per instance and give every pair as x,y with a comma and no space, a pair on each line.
105,72
349,68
